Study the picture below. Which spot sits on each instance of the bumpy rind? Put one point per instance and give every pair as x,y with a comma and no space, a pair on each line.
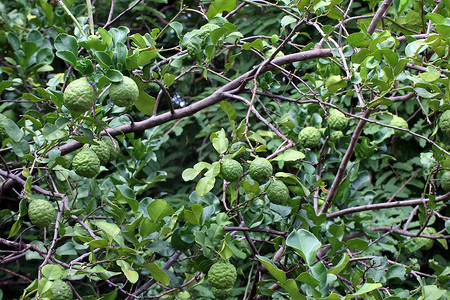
112,152
79,95
222,293
309,137
3,133
86,163
444,122
260,170
222,275
102,150
125,93
235,147
336,135
445,181
231,170
41,213
399,122
337,120
61,290
277,192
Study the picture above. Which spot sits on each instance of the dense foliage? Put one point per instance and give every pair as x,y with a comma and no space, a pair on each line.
352,207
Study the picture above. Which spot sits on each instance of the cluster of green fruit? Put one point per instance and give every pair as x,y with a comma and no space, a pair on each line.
260,170
79,95
87,162
222,276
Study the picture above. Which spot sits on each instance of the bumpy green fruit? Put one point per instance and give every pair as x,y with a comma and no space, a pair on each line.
125,93
231,170
309,137
102,150
112,150
445,181
41,213
336,135
79,95
235,147
444,122
427,244
222,275
222,293
337,120
61,290
277,192
260,170
184,295
399,122
3,133
86,163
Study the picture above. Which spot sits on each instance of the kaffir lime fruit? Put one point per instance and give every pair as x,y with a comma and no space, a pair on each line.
222,293
112,149
277,192
222,274
260,170
231,170
399,122
102,150
184,295
41,213
235,147
86,163
336,135
79,95
445,181
125,93
444,122
337,120
3,133
61,290
309,137
427,244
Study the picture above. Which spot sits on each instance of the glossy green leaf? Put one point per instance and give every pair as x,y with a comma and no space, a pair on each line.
273,270
158,209
340,266
157,273
305,243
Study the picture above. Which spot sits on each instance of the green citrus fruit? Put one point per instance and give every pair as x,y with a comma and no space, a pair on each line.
79,95
427,244
86,163
125,93
112,149
231,170
235,147
222,274
184,295
444,122
337,120
61,290
222,293
260,170
309,137
102,150
278,192
445,181
336,135
3,134
399,122
206,29
41,213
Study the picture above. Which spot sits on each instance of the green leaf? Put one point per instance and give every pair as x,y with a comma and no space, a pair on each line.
340,266
168,79
111,230
229,110
194,216
11,128
146,56
158,209
52,272
145,103
305,243
220,141
157,273
114,75
366,288
273,270
190,173
334,83
219,6
65,42
291,286
290,155
308,278
104,59
357,243
205,185
131,275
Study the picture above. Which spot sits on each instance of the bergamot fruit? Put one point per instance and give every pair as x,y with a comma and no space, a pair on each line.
102,150
336,135
277,192
79,95
235,147
222,293
445,181
222,274
337,120
231,170
399,122
3,133
86,163
309,137
112,149
125,93
61,290
41,213
184,295
260,170
444,122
